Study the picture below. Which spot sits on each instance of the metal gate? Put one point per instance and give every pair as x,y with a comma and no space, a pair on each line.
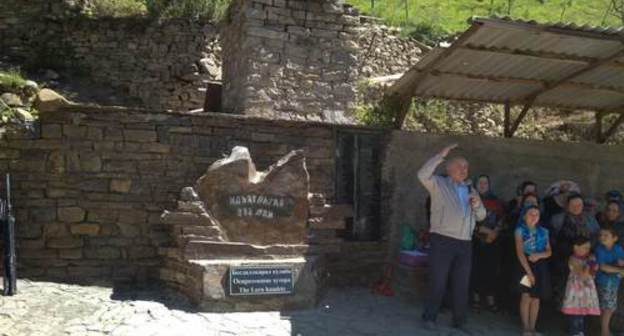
358,182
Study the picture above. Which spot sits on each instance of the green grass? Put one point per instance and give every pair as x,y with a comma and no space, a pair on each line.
12,78
450,16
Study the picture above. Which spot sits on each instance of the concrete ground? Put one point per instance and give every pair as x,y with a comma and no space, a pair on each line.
44,308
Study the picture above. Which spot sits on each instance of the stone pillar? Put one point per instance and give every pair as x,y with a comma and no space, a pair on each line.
292,59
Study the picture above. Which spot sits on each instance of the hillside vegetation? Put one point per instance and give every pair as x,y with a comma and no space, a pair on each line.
434,19
211,10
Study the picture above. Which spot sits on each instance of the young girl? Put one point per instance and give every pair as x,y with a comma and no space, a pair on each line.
581,297
532,250
610,258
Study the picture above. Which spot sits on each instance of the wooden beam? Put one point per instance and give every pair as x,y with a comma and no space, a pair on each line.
525,26
609,133
542,83
507,120
598,126
401,106
509,132
404,90
542,55
515,103
535,54
566,79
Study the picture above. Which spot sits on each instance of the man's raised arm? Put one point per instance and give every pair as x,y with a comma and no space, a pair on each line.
425,173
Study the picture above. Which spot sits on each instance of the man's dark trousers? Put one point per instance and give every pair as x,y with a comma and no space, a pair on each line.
448,256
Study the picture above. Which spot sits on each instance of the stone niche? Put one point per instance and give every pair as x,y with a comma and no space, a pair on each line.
240,237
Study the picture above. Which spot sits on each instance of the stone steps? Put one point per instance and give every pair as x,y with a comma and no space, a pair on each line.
216,294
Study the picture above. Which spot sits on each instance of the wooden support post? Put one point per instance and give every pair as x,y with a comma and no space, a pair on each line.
402,106
510,128
523,113
598,127
612,129
507,121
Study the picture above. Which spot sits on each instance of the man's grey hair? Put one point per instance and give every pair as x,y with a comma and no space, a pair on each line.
455,160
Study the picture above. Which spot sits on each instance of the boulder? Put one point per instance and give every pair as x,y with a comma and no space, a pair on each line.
48,101
30,88
23,115
11,99
258,207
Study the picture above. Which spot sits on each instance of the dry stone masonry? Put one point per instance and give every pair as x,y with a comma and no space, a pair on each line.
287,59
165,65
383,51
291,59
90,188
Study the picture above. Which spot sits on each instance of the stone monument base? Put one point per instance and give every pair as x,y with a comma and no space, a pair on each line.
203,273
216,297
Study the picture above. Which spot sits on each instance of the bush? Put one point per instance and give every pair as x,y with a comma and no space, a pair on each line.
118,8
12,79
428,33
211,10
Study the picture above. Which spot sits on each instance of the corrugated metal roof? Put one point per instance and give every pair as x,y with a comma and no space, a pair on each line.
501,59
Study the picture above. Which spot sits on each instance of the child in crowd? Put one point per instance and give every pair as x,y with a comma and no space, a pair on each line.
610,258
581,297
532,250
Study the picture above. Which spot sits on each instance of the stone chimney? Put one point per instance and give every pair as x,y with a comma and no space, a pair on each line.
290,59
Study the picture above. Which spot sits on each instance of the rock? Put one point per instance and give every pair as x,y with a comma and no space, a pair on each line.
85,229
51,74
23,115
30,88
49,101
207,65
258,207
188,194
71,214
11,99
120,185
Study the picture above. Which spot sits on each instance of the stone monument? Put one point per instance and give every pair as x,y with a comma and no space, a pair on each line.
240,237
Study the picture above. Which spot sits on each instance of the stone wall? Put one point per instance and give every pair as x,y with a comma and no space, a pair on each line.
291,60
88,194
507,161
297,61
165,65
384,51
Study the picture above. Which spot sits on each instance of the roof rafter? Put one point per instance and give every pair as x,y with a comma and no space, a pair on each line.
541,83
527,53
403,90
568,78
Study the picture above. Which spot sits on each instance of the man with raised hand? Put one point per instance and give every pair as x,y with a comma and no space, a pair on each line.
455,208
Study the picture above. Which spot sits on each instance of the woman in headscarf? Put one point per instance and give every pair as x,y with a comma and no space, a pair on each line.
566,227
508,298
486,252
526,187
611,216
555,200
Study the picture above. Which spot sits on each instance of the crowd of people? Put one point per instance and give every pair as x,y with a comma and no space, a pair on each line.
556,247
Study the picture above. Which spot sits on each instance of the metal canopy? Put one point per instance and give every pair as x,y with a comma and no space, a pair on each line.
514,62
